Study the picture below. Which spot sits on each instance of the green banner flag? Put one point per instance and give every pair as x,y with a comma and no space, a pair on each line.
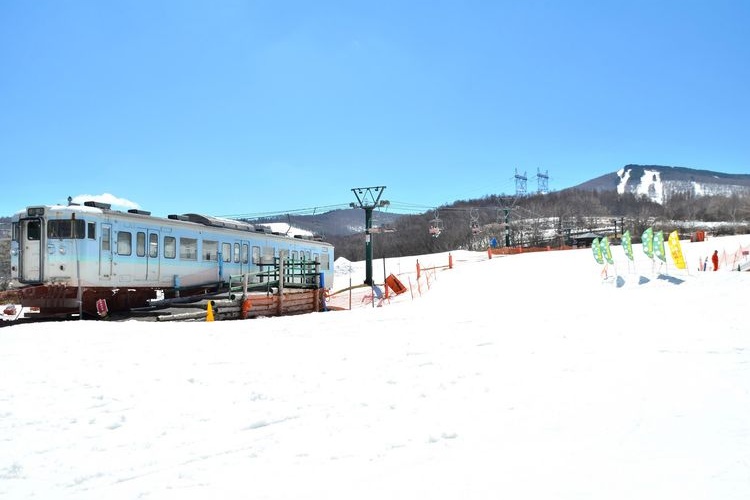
659,246
597,250
647,239
606,251
627,245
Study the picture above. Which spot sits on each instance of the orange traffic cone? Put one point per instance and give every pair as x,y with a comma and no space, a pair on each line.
209,312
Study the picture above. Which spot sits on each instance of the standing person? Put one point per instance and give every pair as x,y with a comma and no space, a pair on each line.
715,260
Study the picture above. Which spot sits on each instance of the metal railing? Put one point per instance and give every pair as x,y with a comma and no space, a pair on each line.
282,273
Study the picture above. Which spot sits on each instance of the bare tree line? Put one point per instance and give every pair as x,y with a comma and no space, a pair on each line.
548,219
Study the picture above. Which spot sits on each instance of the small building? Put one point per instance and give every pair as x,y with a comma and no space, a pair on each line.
584,240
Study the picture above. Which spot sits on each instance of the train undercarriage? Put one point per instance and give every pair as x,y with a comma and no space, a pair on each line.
48,301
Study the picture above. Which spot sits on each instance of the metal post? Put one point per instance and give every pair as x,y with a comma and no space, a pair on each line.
368,245
368,201
507,227
79,291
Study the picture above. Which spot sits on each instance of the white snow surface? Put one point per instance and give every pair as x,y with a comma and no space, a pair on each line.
526,376
624,176
285,228
651,186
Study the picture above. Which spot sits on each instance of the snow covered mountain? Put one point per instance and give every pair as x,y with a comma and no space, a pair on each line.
660,183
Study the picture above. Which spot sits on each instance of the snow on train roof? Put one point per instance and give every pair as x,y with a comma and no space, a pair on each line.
287,229
57,207
209,220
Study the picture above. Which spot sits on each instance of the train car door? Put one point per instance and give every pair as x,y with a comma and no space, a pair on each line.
245,257
152,257
105,252
31,239
236,257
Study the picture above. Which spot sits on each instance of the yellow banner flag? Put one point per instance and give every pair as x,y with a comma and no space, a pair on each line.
676,250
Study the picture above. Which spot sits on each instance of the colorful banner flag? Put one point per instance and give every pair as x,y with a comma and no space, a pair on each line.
606,251
647,239
627,245
676,250
659,246
597,250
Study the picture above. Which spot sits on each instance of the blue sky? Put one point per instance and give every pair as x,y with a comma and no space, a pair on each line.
253,107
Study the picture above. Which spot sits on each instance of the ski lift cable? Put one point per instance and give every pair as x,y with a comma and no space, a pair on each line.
298,211
394,206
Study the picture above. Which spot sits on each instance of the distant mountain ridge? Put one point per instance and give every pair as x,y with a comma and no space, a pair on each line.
336,222
659,183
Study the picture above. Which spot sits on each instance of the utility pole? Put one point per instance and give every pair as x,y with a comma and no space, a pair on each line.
542,180
368,198
507,226
520,184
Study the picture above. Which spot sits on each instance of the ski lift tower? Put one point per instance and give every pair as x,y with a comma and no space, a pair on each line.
368,198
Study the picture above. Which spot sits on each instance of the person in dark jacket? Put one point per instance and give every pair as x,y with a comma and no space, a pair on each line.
715,260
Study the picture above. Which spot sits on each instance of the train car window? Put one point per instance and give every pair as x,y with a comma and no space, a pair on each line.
33,230
295,255
325,262
268,254
92,230
55,229
210,250
153,245
66,229
124,243
106,238
78,229
316,257
307,255
236,252
170,247
283,254
226,252
245,253
188,248
256,255
14,231
140,244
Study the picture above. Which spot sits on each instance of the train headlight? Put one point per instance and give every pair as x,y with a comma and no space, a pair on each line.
14,251
62,250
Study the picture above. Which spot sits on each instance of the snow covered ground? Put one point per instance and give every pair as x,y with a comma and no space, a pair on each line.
525,376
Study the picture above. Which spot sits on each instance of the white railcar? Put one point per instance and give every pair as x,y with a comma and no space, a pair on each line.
69,257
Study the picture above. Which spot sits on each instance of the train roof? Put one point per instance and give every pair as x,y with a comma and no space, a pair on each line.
206,220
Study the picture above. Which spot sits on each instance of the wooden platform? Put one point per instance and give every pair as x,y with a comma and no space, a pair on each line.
226,307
